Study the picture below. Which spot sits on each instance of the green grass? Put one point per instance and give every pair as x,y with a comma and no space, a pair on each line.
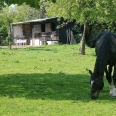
50,81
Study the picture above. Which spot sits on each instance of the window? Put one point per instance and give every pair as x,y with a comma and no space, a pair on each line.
43,27
48,27
53,26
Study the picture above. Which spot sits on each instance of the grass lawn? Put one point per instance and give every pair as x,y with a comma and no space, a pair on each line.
50,81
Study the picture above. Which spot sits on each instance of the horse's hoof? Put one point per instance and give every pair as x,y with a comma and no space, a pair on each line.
113,92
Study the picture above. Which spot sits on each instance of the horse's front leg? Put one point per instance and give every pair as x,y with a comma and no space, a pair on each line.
108,74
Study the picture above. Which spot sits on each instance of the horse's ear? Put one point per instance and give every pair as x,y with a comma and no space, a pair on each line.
90,72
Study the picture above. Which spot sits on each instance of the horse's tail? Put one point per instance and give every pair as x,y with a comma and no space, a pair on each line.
91,43
88,37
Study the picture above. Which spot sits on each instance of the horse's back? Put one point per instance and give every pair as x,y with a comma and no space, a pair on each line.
106,40
106,48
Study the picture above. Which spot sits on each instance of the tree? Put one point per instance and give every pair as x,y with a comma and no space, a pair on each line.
43,5
15,13
32,3
82,11
7,15
3,32
85,12
24,12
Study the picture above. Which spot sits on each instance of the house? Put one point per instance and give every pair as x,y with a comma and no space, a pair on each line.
41,31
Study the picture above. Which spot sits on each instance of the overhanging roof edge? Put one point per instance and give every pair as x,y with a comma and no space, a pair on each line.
30,21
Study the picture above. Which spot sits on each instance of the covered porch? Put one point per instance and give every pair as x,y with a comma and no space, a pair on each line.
35,32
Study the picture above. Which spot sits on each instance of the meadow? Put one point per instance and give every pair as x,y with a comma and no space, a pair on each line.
50,81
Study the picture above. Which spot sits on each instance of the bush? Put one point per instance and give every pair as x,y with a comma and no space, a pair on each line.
6,41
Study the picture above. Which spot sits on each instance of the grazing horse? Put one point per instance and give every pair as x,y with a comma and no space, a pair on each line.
105,48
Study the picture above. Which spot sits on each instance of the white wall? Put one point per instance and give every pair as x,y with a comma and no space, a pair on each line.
17,31
52,42
35,42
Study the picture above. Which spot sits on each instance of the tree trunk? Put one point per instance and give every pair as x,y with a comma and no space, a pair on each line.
9,37
9,45
85,36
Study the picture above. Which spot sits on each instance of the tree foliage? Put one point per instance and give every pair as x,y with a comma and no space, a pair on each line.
3,32
18,13
86,12
32,3
14,13
25,12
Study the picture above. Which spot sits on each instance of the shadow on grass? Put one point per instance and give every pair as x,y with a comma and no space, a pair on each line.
48,86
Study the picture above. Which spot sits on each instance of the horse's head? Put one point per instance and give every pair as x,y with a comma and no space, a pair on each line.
96,85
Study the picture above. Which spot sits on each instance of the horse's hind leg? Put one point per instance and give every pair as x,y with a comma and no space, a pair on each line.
113,89
109,78
110,73
114,75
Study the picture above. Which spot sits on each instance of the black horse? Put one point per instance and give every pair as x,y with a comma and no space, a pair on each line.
105,48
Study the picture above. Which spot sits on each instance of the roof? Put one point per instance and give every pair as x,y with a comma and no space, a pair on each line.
30,21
